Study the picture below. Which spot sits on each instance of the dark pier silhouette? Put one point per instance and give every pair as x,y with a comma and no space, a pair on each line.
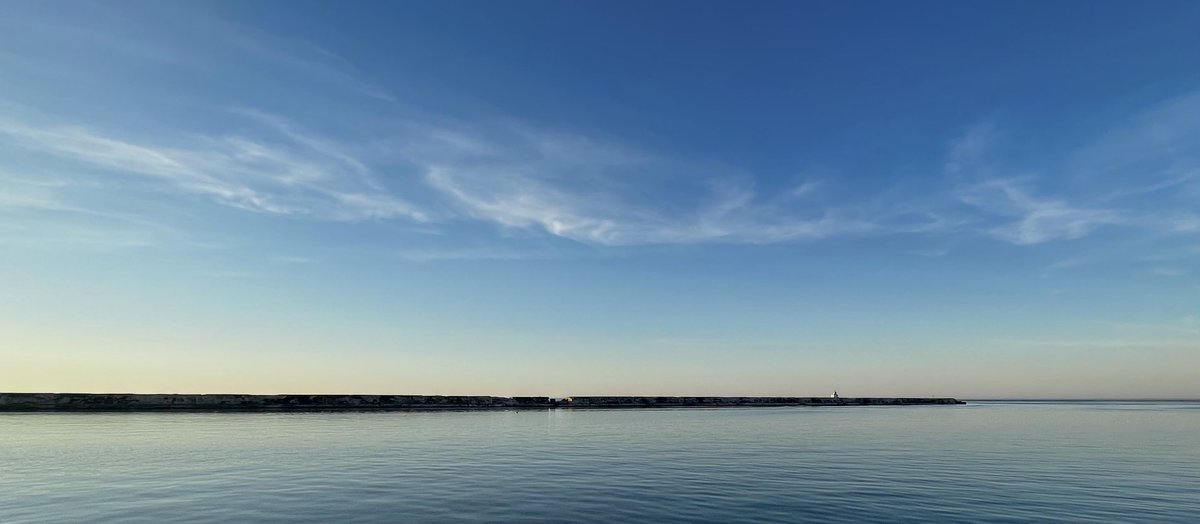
230,402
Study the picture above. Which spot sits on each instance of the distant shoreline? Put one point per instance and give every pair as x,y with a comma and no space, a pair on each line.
234,402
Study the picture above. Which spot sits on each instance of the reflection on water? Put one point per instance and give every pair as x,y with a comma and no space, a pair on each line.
979,462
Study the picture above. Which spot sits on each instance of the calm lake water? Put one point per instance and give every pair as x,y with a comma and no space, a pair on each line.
994,462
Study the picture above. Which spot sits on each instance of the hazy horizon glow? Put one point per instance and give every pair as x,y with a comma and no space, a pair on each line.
546,198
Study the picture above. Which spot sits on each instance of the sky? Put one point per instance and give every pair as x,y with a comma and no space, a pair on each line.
970,199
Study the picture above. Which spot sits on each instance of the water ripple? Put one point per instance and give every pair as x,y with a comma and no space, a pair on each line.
1002,462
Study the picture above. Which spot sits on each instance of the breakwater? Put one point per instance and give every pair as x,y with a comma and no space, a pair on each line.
224,402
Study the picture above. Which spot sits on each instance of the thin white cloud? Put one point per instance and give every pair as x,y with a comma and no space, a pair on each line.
805,189
39,201
1068,263
575,187
1169,182
306,60
1143,174
1183,223
571,186
614,215
1160,141
295,174
13,200
1031,219
600,192
968,150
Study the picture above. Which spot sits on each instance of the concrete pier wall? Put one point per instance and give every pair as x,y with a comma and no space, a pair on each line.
716,402
87,401
138,402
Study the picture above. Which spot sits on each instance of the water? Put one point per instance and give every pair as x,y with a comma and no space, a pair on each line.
994,462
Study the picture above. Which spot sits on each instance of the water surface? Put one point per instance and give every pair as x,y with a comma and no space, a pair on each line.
995,462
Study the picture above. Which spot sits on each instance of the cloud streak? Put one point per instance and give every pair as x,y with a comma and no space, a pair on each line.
565,185
1142,175
571,186
604,193
292,175
1031,219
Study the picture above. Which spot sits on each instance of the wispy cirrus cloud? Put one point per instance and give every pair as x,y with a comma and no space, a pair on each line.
607,193
34,212
565,185
1160,143
290,174
1031,219
613,193
571,186
967,151
42,220
307,61
1144,174
1010,208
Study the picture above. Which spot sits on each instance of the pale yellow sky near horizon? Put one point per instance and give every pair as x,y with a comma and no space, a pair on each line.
110,368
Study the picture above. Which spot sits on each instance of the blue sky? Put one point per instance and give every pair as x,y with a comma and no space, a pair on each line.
951,198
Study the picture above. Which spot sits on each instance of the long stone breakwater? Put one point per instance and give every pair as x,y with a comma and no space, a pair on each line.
141,402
